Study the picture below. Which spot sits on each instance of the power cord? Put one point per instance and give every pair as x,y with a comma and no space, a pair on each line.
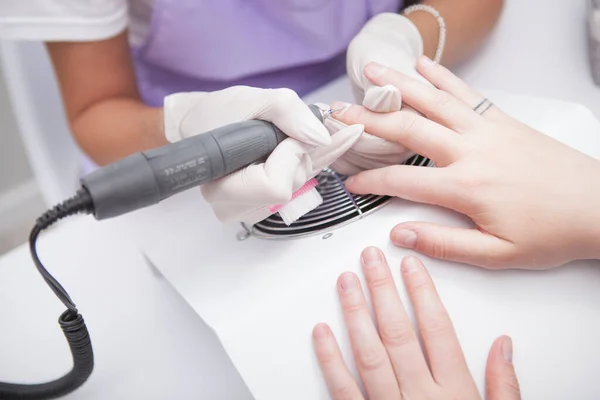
70,321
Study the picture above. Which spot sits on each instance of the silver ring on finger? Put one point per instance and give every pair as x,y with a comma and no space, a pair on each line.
483,106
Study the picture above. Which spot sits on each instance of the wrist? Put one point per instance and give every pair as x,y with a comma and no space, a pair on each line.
395,31
154,127
159,125
428,31
171,117
590,215
594,231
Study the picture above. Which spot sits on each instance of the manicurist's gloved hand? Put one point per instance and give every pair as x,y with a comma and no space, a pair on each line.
387,39
392,40
250,194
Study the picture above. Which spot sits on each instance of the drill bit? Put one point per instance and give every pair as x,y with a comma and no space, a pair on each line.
327,113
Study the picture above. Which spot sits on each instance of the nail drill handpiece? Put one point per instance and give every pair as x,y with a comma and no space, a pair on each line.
145,178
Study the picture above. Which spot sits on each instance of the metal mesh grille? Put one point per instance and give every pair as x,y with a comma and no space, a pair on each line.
339,208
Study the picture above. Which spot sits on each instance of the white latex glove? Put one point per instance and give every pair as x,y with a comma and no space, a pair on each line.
246,195
394,41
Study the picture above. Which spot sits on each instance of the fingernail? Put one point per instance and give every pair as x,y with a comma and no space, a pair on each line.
427,61
347,281
350,180
374,69
321,331
339,107
507,349
404,238
409,265
372,257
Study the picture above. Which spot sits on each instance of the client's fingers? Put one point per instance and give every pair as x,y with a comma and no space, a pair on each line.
406,127
446,359
435,104
469,246
419,184
340,383
445,80
393,324
501,381
372,361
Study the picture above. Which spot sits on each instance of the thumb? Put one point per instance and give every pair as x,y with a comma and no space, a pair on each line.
382,99
500,378
341,141
470,246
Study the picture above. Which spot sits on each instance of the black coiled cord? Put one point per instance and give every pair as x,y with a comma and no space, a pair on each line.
70,321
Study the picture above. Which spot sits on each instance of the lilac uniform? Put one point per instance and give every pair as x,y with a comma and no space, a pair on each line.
208,45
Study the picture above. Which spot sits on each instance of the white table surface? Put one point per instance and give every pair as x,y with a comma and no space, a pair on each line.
148,342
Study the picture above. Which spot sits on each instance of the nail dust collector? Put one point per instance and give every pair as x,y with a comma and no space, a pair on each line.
339,208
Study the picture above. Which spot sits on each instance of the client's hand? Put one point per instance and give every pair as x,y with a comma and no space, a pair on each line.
249,195
389,358
535,201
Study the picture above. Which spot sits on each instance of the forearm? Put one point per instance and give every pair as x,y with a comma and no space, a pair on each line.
116,128
468,23
107,116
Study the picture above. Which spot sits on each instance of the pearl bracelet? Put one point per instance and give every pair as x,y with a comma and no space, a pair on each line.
441,23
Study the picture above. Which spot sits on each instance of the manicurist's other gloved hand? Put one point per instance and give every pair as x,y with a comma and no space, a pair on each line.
392,40
388,39
250,194
534,201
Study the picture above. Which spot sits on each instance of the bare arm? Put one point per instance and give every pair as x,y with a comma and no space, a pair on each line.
468,23
99,90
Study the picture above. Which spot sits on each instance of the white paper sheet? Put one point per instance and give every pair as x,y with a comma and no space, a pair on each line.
263,297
